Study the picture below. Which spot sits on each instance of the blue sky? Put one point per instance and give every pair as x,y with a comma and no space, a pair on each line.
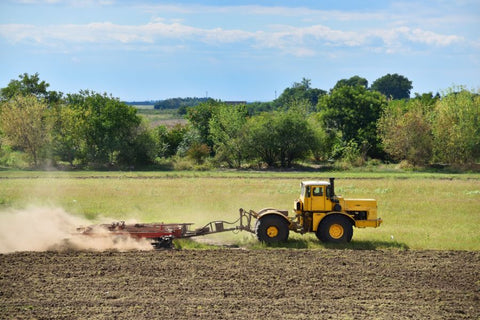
237,50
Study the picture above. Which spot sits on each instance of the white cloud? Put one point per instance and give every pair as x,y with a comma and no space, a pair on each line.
275,11
392,30
300,51
432,38
404,38
299,41
74,3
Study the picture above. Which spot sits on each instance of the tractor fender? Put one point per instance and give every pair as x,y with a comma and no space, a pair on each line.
265,210
271,211
331,214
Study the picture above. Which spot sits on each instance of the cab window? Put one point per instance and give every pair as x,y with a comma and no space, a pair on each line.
317,191
307,191
329,192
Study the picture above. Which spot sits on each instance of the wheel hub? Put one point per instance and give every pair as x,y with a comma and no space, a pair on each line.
272,231
336,231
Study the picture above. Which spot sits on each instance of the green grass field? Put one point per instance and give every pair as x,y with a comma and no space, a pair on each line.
420,210
155,117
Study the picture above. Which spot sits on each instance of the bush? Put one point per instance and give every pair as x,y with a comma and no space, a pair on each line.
279,138
25,124
352,154
198,152
457,128
12,158
406,131
187,164
405,165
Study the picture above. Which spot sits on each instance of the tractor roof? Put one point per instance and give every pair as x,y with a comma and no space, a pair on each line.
316,183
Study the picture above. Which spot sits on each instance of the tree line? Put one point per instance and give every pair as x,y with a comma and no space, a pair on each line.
349,124
181,104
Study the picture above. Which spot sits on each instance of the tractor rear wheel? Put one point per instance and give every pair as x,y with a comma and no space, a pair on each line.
335,229
271,229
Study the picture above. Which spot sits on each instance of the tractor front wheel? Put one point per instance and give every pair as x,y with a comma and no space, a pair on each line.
271,229
335,229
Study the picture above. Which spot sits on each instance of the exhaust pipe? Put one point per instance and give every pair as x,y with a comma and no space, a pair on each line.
333,197
332,187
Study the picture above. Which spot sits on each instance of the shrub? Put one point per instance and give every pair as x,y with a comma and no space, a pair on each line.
457,128
198,152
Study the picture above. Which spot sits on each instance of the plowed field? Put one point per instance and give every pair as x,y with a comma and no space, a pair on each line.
240,284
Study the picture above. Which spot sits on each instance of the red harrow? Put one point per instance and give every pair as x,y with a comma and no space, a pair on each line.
161,235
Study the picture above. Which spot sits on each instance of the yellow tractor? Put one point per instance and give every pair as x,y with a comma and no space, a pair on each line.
319,210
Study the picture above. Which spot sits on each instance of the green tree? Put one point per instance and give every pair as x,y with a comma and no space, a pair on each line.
176,103
199,117
278,138
258,107
260,140
352,82
109,127
353,112
192,146
300,93
457,127
393,86
169,140
67,139
323,139
226,131
191,137
406,131
25,123
140,149
427,99
294,136
30,85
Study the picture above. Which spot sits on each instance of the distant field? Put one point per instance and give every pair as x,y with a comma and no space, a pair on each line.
424,211
155,118
143,106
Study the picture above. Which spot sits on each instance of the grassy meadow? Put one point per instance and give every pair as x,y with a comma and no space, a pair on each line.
155,117
420,211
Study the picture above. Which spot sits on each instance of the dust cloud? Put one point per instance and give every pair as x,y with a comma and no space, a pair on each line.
44,228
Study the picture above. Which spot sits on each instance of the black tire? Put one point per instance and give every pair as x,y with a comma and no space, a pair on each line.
272,229
335,229
163,243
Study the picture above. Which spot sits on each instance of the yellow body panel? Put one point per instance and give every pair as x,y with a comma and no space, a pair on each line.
368,205
368,223
317,217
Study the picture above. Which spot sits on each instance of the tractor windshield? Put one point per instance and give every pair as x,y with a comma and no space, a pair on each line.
305,191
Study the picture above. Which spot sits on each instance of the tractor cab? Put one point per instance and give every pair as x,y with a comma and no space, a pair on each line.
317,196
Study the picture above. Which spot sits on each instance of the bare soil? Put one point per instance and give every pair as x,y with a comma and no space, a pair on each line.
240,284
